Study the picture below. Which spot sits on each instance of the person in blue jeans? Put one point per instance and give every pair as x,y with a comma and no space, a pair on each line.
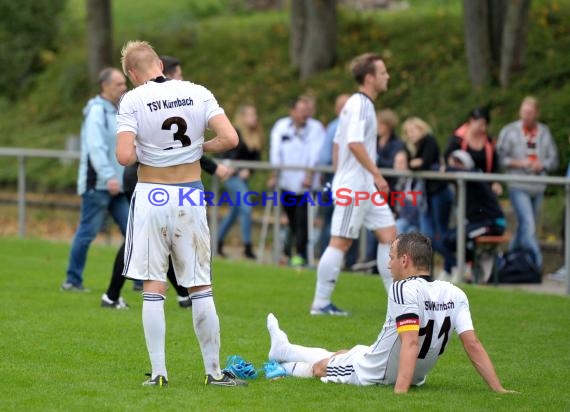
249,148
100,175
526,148
425,155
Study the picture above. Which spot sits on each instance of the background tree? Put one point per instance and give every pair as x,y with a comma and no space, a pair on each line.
495,38
28,30
99,37
313,35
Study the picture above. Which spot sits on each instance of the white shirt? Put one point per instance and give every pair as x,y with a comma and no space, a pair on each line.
438,307
294,146
169,119
357,123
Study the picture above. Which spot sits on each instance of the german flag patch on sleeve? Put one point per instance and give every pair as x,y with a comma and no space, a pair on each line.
408,322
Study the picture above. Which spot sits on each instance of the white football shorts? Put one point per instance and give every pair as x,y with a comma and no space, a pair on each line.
340,368
168,220
347,220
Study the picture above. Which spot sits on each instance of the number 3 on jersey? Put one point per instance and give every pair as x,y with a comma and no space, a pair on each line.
428,332
181,129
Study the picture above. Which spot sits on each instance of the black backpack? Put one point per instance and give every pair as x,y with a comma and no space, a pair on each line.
517,266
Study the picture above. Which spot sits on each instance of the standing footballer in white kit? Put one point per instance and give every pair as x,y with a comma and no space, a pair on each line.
161,123
421,315
355,147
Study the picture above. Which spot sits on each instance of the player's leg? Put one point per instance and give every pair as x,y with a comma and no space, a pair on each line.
182,294
191,256
154,325
111,297
284,352
345,227
381,220
146,257
93,209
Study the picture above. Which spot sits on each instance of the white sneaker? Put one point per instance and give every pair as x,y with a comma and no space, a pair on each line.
108,303
559,275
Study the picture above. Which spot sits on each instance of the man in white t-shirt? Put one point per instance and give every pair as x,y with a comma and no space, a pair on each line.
161,124
296,140
356,171
421,315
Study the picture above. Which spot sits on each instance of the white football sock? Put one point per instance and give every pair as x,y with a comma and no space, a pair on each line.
154,327
298,369
327,275
283,351
382,260
207,329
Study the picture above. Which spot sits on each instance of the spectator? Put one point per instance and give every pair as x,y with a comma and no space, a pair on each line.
483,213
473,138
296,141
434,221
388,145
408,214
249,147
526,148
388,142
100,175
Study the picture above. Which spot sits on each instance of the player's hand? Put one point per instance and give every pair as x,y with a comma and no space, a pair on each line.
244,174
113,187
381,184
223,172
271,182
308,181
536,166
497,188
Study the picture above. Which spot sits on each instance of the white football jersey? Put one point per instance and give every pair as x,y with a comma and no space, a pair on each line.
435,308
169,118
357,123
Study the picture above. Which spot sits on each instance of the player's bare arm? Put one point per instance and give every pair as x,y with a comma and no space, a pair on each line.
125,150
407,363
360,153
226,136
335,156
481,360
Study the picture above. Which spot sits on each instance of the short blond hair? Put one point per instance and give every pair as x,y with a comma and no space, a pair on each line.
531,100
139,56
388,117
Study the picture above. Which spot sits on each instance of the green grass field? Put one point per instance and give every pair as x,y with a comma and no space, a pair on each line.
63,352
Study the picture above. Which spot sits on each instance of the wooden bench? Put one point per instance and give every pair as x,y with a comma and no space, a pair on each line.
490,245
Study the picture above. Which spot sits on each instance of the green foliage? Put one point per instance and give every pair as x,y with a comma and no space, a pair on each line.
62,352
245,57
27,31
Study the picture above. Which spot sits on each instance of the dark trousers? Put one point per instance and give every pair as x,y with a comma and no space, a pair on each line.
297,216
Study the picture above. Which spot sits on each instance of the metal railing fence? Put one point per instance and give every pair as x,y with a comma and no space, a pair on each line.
460,178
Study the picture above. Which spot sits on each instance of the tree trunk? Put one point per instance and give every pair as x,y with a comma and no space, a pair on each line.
497,11
513,32
99,37
297,30
319,49
477,44
519,57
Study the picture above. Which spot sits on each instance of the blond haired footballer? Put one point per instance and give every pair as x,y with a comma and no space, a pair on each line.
422,313
161,123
